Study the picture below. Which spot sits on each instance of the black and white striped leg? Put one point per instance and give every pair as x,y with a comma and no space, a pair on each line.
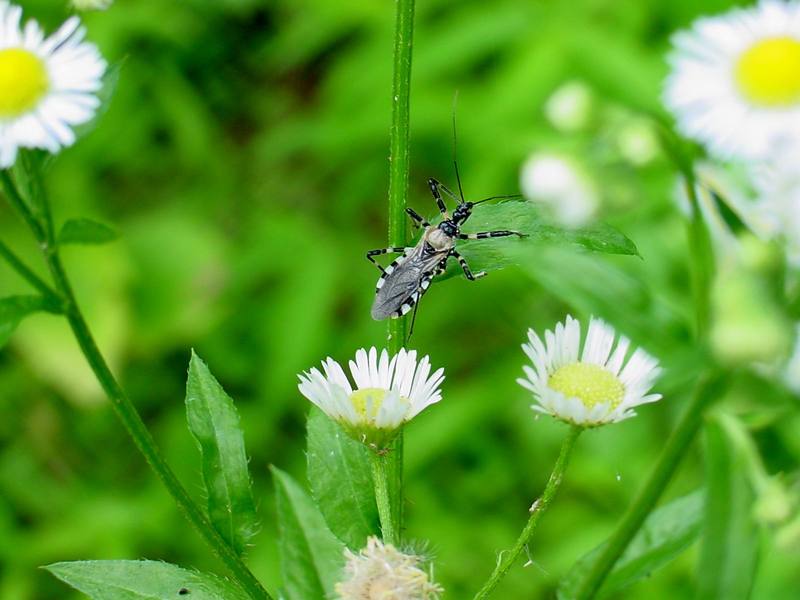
489,234
380,251
437,189
465,267
418,220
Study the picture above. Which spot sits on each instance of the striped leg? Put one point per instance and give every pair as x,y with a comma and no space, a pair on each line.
465,267
437,189
418,220
380,251
489,234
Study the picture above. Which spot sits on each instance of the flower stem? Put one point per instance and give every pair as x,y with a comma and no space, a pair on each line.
399,167
701,260
26,273
122,405
707,391
537,510
380,477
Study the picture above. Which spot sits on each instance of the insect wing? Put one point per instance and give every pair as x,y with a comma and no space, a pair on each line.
403,282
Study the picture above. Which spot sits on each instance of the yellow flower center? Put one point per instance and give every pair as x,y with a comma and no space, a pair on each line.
368,401
768,73
23,81
591,384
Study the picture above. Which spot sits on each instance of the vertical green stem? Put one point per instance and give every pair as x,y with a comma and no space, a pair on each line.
380,477
399,167
27,274
701,259
710,389
537,510
122,405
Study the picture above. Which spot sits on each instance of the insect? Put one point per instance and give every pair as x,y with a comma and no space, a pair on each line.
403,282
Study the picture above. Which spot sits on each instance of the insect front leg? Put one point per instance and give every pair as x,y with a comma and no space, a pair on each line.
418,220
380,251
465,267
489,234
437,189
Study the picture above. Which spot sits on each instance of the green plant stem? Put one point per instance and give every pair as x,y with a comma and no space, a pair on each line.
380,477
537,510
16,201
701,259
707,391
399,167
26,273
125,409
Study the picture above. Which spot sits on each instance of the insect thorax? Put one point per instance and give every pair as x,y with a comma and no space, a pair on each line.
438,239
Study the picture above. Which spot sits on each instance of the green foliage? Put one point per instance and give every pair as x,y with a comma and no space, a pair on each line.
311,556
15,308
341,481
666,533
85,231
214,423
729,553
142,580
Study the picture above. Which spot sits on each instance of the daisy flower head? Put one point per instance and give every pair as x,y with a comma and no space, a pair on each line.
388,392
592,387
381,572
47,85
735,80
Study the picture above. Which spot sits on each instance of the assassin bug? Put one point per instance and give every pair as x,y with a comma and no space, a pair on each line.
408,277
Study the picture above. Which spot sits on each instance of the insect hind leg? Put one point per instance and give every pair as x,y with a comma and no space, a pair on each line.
489,234
380,251
465,267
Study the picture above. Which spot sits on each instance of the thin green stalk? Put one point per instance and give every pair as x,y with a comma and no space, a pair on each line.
125,409
537,510
399,167
26,273
16,201
701,259
709,390
380,477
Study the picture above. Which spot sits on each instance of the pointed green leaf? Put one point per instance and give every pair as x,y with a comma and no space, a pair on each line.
15,308
666,533
86,231
729,553
526,217
214,423
311,556
341,481
142,580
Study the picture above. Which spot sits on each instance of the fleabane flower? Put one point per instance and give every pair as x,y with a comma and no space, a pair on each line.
381,572
590,387
388,392
47,85
735,80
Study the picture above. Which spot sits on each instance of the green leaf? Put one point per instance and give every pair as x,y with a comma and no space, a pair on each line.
86,231
142,580
311,556
729,552
666,533
15,308
214,423
341,481
525,217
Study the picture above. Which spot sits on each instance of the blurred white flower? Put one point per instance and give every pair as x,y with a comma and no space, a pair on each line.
569,107
48,84
388,393
637,142
559,185
591,388
381,572
735,80
91,4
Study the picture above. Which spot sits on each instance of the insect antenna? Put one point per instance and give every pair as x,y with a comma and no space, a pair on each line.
455,155
505,196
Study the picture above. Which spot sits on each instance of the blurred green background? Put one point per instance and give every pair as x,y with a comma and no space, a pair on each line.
244,161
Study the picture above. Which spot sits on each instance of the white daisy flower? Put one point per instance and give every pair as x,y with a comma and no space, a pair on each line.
735,80
561,187
388,393
48,84
591,388
381,572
